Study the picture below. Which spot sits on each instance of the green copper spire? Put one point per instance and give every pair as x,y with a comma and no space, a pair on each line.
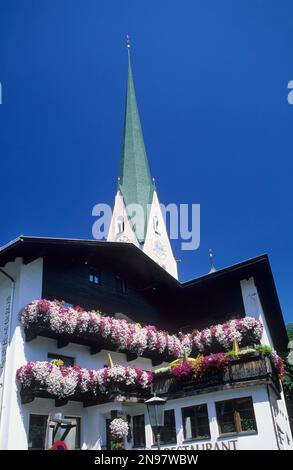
135,181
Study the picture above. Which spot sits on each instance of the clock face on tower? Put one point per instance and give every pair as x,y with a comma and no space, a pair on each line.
159,248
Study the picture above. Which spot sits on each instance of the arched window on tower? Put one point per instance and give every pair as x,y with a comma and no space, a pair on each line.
156,225
120,224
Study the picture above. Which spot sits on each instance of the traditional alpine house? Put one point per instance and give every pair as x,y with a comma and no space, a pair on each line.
91,329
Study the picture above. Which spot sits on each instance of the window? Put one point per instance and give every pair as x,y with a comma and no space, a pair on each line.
108,434
68,361
168,431
121,285
73,437
37,431
95,277
236,416
196,422
120,224
138,431
156,225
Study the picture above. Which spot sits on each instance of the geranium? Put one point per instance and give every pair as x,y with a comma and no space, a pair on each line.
182,370
199,366
277,361
78,308
214,363
280,366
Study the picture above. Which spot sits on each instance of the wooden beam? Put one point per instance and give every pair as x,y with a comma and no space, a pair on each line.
31,334
61,343
95,349
130,356
156,361
61,402
26,398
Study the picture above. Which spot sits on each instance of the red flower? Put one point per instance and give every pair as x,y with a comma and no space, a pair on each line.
78,308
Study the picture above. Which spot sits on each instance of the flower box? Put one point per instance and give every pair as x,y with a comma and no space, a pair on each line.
252,368
47,380
53,320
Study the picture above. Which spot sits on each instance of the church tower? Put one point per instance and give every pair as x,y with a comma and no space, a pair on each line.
137,217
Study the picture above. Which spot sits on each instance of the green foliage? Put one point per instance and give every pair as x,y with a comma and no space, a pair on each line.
162,370
290,331
231,353
288,379
264,350
242,352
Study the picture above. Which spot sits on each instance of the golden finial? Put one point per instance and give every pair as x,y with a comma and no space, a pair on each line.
110,361
235,347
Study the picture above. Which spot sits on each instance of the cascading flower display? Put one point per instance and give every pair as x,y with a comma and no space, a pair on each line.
125,336
214,363
247,331
200,366
121,333
203,366
62,381
119,429
182,370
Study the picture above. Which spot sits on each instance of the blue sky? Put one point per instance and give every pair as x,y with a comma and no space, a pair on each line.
211,81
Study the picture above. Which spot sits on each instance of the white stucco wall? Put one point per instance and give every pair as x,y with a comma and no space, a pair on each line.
28,286
15,417
253,307
265,437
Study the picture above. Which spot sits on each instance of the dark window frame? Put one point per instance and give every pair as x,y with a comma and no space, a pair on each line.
62,357
173,439
135,442
197,436
236,416
45,416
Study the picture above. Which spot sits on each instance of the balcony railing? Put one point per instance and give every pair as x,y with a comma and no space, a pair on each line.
240,372
36,390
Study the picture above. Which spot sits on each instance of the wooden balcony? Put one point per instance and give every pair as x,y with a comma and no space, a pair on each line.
36,390
93,341
241,372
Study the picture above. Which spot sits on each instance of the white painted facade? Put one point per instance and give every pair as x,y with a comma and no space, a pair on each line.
273,430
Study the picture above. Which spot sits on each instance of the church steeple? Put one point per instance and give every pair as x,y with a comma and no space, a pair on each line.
134,181
147,229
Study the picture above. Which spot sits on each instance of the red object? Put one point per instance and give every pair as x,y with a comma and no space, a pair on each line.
59,445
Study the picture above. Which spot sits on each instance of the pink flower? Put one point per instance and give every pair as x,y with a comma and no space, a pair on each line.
214,363
182,370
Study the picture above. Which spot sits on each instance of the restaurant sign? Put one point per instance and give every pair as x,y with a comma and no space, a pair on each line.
220,445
